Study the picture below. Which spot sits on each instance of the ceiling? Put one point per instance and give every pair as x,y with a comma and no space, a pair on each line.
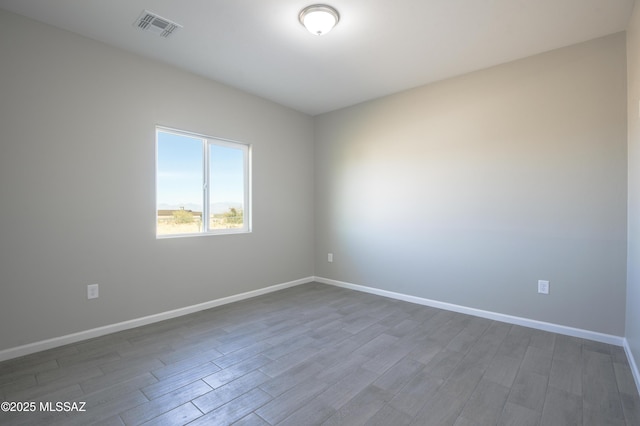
379,47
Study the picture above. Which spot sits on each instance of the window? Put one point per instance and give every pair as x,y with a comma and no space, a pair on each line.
202,185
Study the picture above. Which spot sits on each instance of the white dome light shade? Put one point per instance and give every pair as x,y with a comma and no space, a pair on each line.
319,19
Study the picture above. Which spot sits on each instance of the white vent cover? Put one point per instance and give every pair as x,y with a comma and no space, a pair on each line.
149,21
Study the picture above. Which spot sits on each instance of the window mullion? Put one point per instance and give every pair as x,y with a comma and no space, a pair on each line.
247,189
205,186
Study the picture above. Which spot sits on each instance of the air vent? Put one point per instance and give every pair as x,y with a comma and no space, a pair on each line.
149,21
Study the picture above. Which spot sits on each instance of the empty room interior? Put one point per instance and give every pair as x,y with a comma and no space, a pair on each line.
426,212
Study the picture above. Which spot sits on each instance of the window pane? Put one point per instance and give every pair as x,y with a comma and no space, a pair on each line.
179,184
226,187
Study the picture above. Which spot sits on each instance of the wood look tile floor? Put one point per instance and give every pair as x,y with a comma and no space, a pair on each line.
321,355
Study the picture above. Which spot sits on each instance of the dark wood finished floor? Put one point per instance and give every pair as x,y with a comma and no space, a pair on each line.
317,354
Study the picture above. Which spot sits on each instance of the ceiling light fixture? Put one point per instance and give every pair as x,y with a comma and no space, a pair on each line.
319,19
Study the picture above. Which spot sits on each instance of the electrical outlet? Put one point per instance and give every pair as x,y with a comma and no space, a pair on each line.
92,291
330,257
543,286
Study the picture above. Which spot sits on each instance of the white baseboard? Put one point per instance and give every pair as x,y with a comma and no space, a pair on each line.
112,328
632,364
540,325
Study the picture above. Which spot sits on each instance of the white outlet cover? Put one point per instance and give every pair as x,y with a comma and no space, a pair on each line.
543,286
92,291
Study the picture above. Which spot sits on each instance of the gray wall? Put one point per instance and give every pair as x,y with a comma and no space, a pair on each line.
633,261
465,191
77,182
469,190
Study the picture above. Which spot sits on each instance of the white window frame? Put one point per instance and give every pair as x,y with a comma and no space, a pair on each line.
208,141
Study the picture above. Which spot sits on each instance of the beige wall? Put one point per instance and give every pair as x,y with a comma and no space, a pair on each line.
633,261
470,190
77,187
